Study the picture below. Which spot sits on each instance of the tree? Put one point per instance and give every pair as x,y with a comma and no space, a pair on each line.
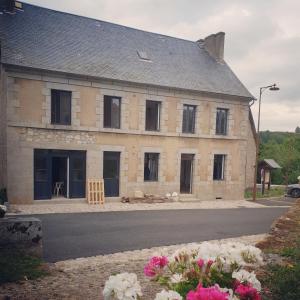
297,130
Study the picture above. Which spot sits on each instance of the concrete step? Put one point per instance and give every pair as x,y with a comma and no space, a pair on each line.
188,198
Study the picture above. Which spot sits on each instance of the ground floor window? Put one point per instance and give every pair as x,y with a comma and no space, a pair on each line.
151,166
219,167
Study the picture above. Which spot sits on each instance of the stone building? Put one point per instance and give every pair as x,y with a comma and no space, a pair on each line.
84,99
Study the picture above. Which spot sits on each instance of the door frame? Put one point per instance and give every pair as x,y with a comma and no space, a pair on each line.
192,159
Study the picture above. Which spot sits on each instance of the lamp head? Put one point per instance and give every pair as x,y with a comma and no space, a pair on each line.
274,87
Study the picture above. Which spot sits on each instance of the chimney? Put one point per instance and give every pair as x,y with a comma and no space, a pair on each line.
214,45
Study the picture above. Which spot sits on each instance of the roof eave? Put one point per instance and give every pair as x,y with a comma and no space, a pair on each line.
40,71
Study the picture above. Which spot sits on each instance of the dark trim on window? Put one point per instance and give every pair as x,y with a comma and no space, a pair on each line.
152,115
222,121
151,166
189,118
111,115
61,103
219,167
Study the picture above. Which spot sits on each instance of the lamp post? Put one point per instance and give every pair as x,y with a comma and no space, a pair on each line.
272,87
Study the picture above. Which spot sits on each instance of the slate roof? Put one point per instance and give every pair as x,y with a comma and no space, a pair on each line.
50,40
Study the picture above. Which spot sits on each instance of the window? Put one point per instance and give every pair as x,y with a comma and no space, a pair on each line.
61,107
219,166
112,112
188,121
151,166
221,121
152,115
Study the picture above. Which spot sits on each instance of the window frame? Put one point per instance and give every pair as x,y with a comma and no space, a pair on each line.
159,104
110,98
222,130
55,99
193,130
153,154
216,177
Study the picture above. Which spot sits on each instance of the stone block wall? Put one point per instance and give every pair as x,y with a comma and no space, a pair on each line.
87,133
22,233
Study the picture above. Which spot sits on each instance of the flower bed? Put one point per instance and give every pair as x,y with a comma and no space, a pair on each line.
206,271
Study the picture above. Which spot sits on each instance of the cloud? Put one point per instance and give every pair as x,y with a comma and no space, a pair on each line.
262,40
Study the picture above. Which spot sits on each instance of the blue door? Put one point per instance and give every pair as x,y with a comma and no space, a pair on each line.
111,171
77,174
42,174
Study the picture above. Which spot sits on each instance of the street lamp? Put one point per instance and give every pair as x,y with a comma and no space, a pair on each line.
272,87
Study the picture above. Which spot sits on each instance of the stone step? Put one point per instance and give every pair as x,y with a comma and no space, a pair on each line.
188,198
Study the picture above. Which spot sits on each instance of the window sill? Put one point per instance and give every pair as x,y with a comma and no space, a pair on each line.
59,126
151,181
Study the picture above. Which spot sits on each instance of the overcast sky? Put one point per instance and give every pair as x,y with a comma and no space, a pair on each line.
262,42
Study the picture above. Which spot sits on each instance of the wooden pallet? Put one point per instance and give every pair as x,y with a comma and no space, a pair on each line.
95,191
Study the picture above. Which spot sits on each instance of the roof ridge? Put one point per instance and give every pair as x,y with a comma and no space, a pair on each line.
120,25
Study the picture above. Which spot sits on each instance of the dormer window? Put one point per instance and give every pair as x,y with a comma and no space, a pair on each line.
143,55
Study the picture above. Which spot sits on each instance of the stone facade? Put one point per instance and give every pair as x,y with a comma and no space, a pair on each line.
29,127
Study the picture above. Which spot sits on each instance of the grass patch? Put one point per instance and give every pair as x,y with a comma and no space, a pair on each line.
16,266
284,282
273,192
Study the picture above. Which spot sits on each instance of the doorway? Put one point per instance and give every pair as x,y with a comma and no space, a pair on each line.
59,173
59,176
111,173
186,173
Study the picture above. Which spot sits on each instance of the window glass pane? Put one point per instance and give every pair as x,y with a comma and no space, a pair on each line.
188,122
61,107
112,111
65,108
152,115
221,121
219,166
151,166
115,113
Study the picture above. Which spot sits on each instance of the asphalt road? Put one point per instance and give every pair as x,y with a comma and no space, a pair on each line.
87,234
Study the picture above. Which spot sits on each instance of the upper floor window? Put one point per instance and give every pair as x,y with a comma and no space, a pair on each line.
151,166
219,167
221,121
61,107
188,121
153,115
112,112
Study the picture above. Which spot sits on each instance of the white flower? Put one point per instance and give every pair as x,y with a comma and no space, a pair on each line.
229,292
176,278
124,286
230,253
245,276
167,295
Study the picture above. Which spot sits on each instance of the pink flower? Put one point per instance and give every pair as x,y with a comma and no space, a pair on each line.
209,263
155,264
200,263
247,292
210,293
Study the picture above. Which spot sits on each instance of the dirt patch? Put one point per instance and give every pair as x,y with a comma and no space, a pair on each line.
284,233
